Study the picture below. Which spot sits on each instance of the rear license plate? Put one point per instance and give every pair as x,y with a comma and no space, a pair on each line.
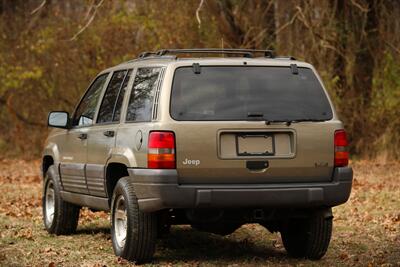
255,145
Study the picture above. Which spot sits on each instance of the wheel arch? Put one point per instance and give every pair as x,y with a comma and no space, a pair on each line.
114,171
47,161
50,156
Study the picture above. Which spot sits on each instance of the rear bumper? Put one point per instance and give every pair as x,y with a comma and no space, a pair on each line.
159,189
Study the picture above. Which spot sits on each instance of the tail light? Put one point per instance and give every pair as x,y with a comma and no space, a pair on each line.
341,153
161,153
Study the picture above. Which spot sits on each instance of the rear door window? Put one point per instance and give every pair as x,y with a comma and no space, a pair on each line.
113,96
233,93
118,105
142,94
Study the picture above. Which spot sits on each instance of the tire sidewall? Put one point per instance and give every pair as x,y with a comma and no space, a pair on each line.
50,178
131,223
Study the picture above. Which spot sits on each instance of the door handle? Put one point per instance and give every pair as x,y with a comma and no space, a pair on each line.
109,133
82,136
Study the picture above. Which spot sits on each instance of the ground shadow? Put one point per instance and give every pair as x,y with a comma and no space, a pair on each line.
92,230
185,244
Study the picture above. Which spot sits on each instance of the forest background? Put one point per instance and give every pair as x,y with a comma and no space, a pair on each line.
50,51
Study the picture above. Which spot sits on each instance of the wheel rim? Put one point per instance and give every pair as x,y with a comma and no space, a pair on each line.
49,202
120,221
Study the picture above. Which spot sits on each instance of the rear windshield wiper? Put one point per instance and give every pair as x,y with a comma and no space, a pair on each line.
288,122
260,116
308,119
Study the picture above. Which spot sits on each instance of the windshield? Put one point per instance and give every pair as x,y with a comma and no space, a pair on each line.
238,93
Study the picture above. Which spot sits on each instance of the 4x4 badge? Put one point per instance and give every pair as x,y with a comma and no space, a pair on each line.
195,162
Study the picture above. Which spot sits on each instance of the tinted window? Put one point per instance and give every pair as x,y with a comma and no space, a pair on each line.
232,93
110,97
84,114
118,105
141,99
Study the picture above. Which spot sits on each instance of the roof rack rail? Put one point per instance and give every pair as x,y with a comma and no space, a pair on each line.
147,54
286,57
248,53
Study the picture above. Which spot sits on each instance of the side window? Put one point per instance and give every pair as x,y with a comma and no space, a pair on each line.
118,105
84,114
141,98
110,97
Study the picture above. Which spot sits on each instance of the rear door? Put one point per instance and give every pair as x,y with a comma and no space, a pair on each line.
251,124
101,137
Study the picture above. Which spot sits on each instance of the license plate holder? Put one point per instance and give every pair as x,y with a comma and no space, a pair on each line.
258,144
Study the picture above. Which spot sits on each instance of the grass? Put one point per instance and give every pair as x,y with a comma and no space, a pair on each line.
366,230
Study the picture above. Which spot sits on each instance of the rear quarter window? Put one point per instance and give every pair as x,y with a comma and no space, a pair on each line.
142,94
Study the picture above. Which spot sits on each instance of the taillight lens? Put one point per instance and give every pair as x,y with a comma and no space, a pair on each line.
341,153
161,153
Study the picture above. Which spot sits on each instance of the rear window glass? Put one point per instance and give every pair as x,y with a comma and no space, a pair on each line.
233,93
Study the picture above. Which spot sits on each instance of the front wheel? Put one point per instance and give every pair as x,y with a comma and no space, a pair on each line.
308,238
133,232
59,217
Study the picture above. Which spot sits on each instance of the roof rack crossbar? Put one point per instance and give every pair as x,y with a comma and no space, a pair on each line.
228,51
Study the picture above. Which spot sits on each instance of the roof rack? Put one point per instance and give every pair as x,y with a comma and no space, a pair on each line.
286,57
147,54
248,53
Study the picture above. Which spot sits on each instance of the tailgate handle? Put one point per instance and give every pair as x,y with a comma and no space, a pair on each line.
257,165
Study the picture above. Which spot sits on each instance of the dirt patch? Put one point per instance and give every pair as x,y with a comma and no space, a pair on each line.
366,229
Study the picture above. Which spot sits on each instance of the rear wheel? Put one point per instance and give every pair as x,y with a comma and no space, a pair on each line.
59,217
308,238
133,232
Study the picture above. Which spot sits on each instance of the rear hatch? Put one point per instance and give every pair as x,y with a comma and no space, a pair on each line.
251,125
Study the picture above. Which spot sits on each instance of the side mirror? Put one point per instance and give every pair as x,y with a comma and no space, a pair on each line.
58,119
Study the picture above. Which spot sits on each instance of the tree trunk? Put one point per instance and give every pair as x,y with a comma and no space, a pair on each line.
363,73
249,24
269,41
341,39
366,54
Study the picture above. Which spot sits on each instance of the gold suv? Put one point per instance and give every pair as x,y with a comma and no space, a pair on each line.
214,142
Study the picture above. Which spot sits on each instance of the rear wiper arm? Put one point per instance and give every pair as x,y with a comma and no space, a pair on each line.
260,116
307,119
288,122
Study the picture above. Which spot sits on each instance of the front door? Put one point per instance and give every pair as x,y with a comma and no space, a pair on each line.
101,136
73,146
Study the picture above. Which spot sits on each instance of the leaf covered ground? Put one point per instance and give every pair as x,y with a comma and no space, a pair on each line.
366,229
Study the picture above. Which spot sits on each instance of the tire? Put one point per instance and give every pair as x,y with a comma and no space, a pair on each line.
217,228
59,217
137,242
308,238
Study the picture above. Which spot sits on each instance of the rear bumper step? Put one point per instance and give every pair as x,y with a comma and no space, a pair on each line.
159,189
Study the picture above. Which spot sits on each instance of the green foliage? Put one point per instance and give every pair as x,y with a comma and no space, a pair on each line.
385,111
